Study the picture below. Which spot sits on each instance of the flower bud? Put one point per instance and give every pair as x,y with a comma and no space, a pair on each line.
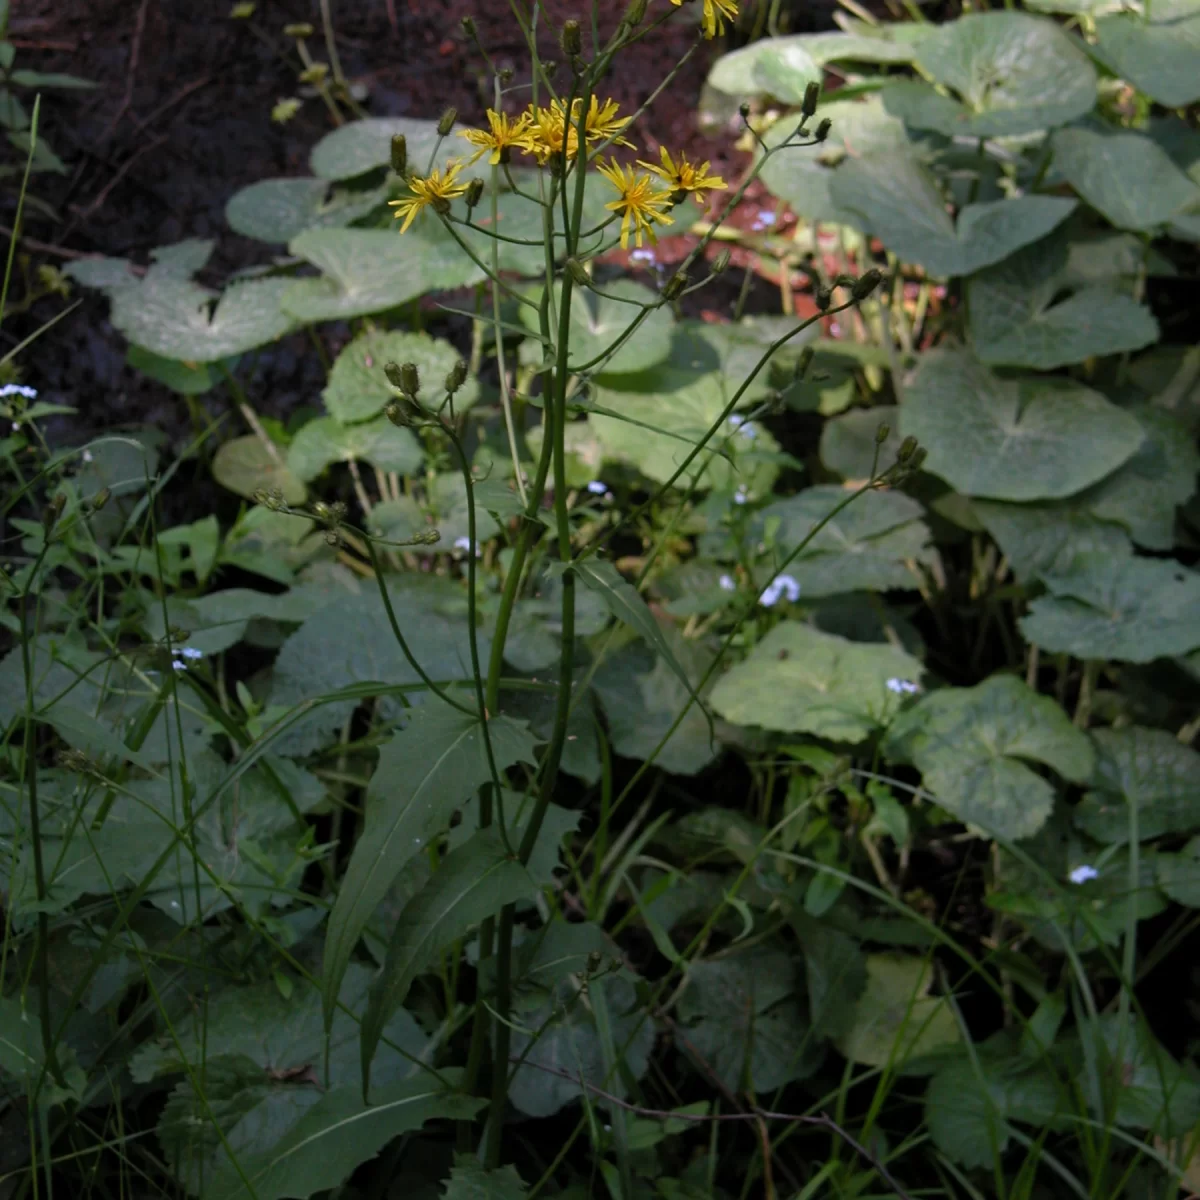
399,154
865,284
720,264
744,109
882,433
919,455
315,74
397,413
446,121
823,129
300,29
577,273
908,448
812,94
635,14
53,511
571,40
823,298
468,27
475,191
674,286
405,377
427,537
505,75
456,376
101,498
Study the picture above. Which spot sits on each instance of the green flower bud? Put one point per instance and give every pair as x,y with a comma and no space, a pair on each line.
316,74
918,459
674,286
823,298
865,284
446,122
571,40
397,413
456,376
101,498
720,264
635,14
475,189
468,27
744,109
577,273
399,154
908,448
53,511
812,94
823,130
300,29
882,433
427,537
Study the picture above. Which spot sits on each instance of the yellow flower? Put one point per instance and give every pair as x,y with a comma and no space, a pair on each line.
502,135
546,132
603,123
684,176
716,12
548,127
437,188
639,204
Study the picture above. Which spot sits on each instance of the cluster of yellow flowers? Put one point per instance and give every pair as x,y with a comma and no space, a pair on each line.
642,201
716,13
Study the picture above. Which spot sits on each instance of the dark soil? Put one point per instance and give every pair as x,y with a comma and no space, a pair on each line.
181,120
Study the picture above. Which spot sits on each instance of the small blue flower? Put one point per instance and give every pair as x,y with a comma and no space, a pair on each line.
179,664
903,687
727,583
17,389
741,495
191,652
743,425
598,487
782,586
1083,874
643,257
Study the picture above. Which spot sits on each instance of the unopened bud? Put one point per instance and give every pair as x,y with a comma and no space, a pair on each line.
571,40
397,413
812,94
720,264
823,298
468,26
919,455
505,75
53,511
456,376
315,74
300,29
427,537
744,109
101,498
446,121
882,433
674,286
908,448
822,130
399,153
475,191
410,379
865,284
577,273
635,14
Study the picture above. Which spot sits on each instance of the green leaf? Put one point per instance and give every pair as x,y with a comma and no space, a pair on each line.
642,696
82,731
1030,438
22,1057
1146,770
244,465
50,79
1124,175
896,1021
740,1016
1179,874
169,315
798,679
835,971
473,882
867,546
597,322
444,507
971,746
358,389
325,440
1157,50
898,201
188,379
334,1136
1012,74
848,445
1019,316
366,145
469,1181
278,210
1130,609
427,770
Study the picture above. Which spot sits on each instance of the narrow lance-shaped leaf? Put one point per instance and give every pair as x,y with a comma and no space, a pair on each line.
473,882
425,772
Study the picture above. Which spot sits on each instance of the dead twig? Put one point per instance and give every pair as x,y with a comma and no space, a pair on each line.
45,247
122,171
166,106
135,52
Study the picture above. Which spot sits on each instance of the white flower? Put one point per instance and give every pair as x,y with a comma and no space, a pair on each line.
86,456
16,389
462,543
191,652
178,665
781,586
903,687
741,495
1083,874
598,487
743,424
764,220
727,584
643,257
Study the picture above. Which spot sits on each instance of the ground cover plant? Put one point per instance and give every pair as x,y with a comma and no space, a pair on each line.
625,737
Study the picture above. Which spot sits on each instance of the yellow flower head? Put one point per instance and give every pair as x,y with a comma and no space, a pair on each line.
603,122
716,12
501,136
639,204
685,176
549,126
437,188
547,129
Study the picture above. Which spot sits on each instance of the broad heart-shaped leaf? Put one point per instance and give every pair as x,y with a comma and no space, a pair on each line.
1157,50
971,745
1045,537
1019,317
802,175
354,644
597,322
277,210
1013,74
470,1181
848,442
1179,874
367,271
1031,438
835,972
1124,175
358,389
473,882
867,546
335,1135
898,200
642,697
366,145
800,680
166,313
378,442
895,1020
739,1015
1145,774
1130,609
245,466
428,769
